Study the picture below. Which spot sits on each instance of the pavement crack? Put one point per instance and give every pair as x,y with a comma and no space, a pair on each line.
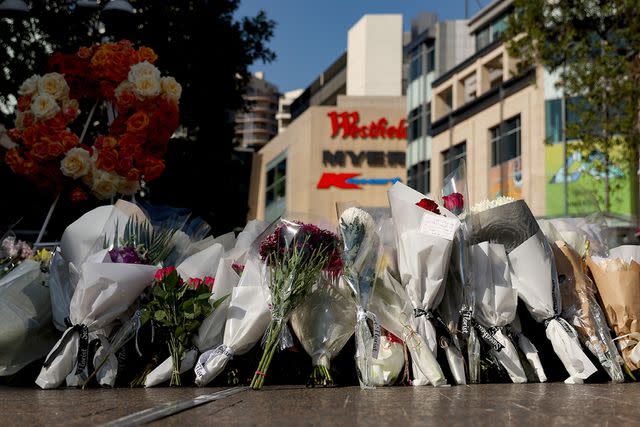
98,412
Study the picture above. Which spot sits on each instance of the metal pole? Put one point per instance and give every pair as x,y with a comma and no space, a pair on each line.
563,113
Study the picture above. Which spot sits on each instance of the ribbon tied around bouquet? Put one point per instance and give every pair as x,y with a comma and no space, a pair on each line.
83,348
222,350
442,330
487,334
362,316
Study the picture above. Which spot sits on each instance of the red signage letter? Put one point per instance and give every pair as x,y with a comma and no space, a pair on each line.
338,180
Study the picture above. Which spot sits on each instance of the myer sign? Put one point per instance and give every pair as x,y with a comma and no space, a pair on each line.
346,125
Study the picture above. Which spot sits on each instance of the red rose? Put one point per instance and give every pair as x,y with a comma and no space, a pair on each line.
24,103
14,160
14,134
107,160
125,164
429,205
118,126
55,149
40,151
57,123
153,168
69,140
454,202
132,174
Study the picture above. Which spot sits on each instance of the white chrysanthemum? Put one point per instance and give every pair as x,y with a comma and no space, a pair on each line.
55,85
29,86
143,69
44,106
76,163
357,215
105,184
485,205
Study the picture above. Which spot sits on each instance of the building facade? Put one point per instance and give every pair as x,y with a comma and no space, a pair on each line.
433,47
284,108
347,139
257,125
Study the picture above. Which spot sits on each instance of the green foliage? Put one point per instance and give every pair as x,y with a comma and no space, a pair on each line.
594,47
178,309
154,246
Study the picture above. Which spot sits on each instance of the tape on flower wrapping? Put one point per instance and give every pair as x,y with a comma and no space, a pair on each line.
204,358
630,340
439,226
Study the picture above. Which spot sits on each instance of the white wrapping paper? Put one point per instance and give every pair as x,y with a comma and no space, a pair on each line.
424,241
248,317
533,274
104,292
26,332
496,302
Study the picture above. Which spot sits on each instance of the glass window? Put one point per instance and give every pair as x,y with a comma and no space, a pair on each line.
414,130
483,38
451,158
508,146
419,176
431,59
276,182
415,69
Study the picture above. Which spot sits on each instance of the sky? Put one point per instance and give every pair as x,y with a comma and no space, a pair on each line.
311,34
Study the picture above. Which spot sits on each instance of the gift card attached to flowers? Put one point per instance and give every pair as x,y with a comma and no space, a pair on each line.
59,149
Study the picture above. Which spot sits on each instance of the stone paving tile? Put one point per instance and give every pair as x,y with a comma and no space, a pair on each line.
487,404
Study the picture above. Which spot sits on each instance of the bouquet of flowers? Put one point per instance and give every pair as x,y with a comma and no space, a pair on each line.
132,149
425,240
387,366
617,278
360,258
294,255
26,332
496,304
248,316
12,253
580,308
533,273
177,309
323,323
528,349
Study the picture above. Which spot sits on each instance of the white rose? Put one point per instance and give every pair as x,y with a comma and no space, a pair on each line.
171,88
128,188
147,87
105,184
30,86
55,85
76,163
44,106
143,69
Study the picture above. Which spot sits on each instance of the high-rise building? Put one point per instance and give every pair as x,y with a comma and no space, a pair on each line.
509,126
347,137
432,48
258,124
284,108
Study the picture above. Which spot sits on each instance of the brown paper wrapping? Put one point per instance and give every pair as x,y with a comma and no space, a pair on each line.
577,292
620,294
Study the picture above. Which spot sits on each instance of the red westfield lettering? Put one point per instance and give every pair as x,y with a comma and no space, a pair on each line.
338,180
348,123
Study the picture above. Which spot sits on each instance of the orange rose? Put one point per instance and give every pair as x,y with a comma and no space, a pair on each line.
69,140
147,54
40,151
153,168
30,135
55,149
132,174
125,99
106,142
24,103
138,122
14,160
85,52
107,160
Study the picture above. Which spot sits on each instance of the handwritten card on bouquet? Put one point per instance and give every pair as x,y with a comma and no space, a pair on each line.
439,226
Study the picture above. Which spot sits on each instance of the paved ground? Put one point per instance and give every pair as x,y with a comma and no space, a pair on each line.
489,404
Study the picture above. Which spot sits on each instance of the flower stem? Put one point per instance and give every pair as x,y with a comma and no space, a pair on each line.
270,347
175,361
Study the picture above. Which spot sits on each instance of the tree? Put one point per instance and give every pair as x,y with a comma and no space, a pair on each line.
595,46
202,46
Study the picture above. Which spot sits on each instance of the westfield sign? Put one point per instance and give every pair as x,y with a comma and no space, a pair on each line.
347,125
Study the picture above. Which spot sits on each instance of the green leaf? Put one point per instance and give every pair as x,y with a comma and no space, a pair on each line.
160,315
